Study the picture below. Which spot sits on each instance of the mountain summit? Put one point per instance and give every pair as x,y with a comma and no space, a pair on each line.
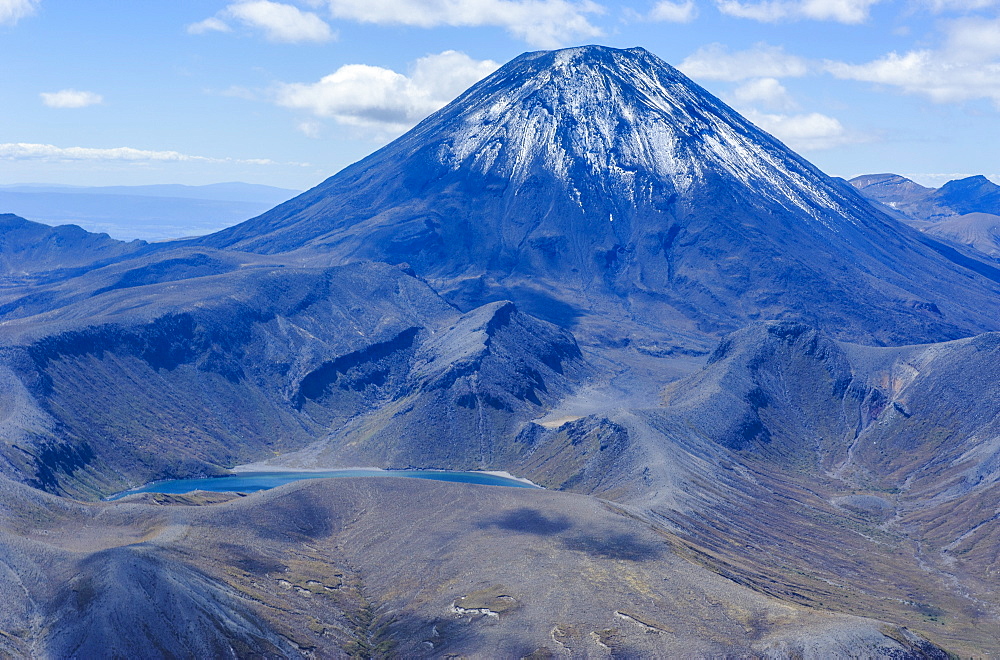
604,190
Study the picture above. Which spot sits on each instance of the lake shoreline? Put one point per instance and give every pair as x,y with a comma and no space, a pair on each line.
244,479
263,467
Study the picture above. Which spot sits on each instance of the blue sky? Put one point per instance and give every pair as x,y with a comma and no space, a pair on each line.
287,93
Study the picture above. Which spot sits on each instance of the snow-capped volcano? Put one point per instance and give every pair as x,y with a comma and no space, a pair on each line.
617,116
594,184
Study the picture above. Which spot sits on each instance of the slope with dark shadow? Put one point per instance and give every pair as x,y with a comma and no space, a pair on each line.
464,398
831,475
974,194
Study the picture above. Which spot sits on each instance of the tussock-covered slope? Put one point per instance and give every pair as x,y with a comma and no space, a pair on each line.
332,567
847,477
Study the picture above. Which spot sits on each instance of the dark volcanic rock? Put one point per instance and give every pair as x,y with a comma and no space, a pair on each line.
461,396
917,418
605,192
128,601
777,389
841,461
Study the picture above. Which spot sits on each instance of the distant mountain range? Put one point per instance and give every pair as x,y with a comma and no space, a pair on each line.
770,406
964,211
150,213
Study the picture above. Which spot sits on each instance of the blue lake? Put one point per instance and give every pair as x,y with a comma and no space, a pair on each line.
251,482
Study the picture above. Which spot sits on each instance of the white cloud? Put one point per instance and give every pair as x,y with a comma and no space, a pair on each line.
70,98
239,92
376,98
310,128
48,152
926,73
776,11
674,12
11,11
446,75
972,39
939,6
542,23
809,131
804,132
965,68
767,92
279,22
715,62
210,24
